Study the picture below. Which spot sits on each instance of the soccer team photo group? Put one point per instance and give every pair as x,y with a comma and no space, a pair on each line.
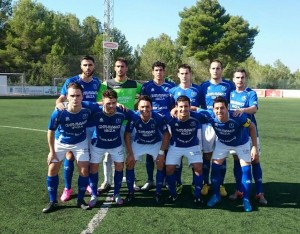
149,116
117,122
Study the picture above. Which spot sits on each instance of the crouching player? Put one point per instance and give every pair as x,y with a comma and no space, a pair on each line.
233,134
67,132
107,139
151,138
185,132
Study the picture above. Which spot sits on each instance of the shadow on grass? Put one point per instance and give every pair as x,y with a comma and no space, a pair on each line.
278,194
283,195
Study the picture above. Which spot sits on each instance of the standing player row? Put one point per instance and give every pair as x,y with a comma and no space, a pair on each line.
159,89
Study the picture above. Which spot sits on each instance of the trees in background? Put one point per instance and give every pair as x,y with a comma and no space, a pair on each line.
159,49
46,44
207,32
5,13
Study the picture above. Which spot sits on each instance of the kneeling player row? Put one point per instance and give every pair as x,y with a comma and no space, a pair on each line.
180,134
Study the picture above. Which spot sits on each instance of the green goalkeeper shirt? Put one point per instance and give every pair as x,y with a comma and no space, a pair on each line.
127,91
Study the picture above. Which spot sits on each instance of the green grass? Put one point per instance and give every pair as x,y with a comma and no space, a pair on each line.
23,182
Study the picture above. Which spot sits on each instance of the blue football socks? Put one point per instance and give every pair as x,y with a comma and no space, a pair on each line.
83,182
160,176
52,185
130,175
237,171
118,181
257,175
206,170
149,167
215,178
68,172
93,179
246,180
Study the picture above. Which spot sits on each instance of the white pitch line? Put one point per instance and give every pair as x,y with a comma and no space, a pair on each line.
97,219
29,129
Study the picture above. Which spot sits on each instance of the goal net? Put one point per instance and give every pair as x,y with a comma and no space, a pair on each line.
12,83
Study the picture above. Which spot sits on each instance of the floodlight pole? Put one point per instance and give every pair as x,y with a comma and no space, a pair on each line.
107,36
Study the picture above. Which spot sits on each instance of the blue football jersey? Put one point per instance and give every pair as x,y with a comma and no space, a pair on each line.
149,132
107,134
161,99
234,132
244,99
192,93
184,133
209,91
70,128
90,89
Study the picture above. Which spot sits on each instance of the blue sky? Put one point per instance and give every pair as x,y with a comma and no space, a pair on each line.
139,20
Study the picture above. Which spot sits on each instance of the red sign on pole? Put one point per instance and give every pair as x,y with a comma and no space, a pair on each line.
110,45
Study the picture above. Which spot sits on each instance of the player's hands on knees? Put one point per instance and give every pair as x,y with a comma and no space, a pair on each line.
160,161
254,153
52,156
130,161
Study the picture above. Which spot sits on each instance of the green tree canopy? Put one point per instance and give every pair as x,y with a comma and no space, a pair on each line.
28,36
159,49
5,12
207,33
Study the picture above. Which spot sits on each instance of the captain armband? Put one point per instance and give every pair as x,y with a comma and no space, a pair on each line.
248,123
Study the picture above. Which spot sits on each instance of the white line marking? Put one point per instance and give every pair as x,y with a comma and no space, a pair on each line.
97,219
29,129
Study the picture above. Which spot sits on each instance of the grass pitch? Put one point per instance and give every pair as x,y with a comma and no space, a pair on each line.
23,192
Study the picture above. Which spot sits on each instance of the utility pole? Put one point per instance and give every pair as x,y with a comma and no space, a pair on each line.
108,37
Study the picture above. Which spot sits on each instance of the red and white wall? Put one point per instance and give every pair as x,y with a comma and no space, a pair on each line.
279,93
